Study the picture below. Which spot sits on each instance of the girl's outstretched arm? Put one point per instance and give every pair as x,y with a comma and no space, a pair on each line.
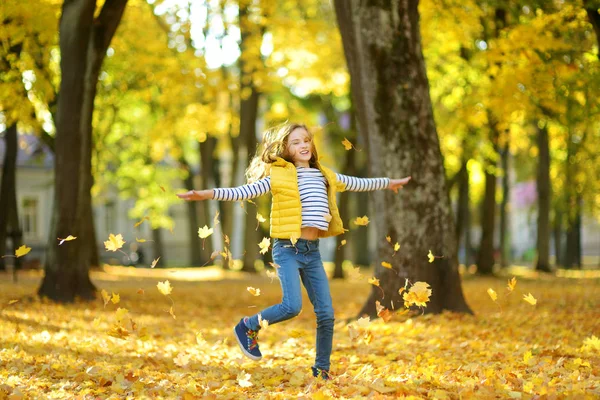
243,192
354,184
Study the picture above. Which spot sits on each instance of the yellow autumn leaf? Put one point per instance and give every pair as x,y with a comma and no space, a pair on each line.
120,314
253,291
374,281
264,245
389,239
21,251
114,242
264,324
396,247
115,298
511,284
164,287
67,239
347,144
530,299
105,297
154,262
260,218
430,256
362,221
140,221
354,274
204,232
386,264
140,240
272,275
216,219
492,294
417,295
11,302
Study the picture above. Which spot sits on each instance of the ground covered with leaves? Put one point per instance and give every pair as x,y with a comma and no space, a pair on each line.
176,341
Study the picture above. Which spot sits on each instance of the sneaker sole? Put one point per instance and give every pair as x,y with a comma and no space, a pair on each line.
250,356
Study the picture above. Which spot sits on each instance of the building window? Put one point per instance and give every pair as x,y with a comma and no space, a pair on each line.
30,217
110,216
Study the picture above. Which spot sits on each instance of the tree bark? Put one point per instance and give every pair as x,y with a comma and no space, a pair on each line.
83,44
505,247
195,254
463,214
573,250
9,219
158,247
544,193
391,93
207,149
558,235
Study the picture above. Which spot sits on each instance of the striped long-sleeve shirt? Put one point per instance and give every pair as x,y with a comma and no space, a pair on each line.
313,193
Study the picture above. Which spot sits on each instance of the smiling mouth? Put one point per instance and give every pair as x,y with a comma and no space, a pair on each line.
305,152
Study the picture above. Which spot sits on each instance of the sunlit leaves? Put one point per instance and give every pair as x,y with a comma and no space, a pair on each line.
264,245
164,287
417,295
154,262
530,299
67,239
362,221
430,256
114,243
511,284
492,294
253,291
21,251
204,232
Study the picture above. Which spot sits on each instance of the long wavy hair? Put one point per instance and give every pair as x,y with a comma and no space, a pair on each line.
274,144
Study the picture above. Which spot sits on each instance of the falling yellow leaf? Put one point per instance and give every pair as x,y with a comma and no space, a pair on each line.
164,287
200,339
105,297
530,299
354,274
383,312
430,256
492,294
216,219
293,239
114,243
204,232
140,291
11,302
386,264
264,324
362,221
272,264
253,291
260,218
120,314
396,247
264,245
140,240
347,144
67,239
272,275
511,284
226,239
342,243
115,298
140,221
417,295
154,263
21,251
374,281
389,239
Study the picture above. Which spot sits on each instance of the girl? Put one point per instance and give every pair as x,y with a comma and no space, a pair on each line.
303,210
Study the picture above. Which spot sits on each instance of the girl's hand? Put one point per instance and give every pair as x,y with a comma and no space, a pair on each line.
196,195
396,184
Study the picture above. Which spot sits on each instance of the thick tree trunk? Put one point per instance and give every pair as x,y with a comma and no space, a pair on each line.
360,237
505,246
573,250
544,193
558,235
344,209
485,256
195,254
83,44
9,220
207,149
391,93
463,214
158,248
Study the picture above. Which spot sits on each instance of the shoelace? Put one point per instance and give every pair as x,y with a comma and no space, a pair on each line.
252,339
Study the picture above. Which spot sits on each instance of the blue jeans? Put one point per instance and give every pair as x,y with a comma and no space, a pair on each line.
302,262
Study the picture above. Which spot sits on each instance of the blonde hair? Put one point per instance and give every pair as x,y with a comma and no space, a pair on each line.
274,144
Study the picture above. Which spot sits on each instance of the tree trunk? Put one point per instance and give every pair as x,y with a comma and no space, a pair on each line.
207,149
391,93
544,193
248,114
158,247
505,246
83,44
195,254
573,250
558,234
485,256
344,209
9,219
462,214
360,237
594,17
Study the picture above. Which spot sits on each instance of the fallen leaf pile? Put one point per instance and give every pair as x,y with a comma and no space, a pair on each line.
126,343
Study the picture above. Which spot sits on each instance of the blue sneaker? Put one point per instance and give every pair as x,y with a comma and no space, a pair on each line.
320,373
248,340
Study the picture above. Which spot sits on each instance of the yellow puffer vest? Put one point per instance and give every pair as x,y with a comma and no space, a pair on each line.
286,209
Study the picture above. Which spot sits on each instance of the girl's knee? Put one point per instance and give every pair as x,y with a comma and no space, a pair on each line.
292,310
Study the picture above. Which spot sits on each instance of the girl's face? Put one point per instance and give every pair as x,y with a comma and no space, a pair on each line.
299,147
